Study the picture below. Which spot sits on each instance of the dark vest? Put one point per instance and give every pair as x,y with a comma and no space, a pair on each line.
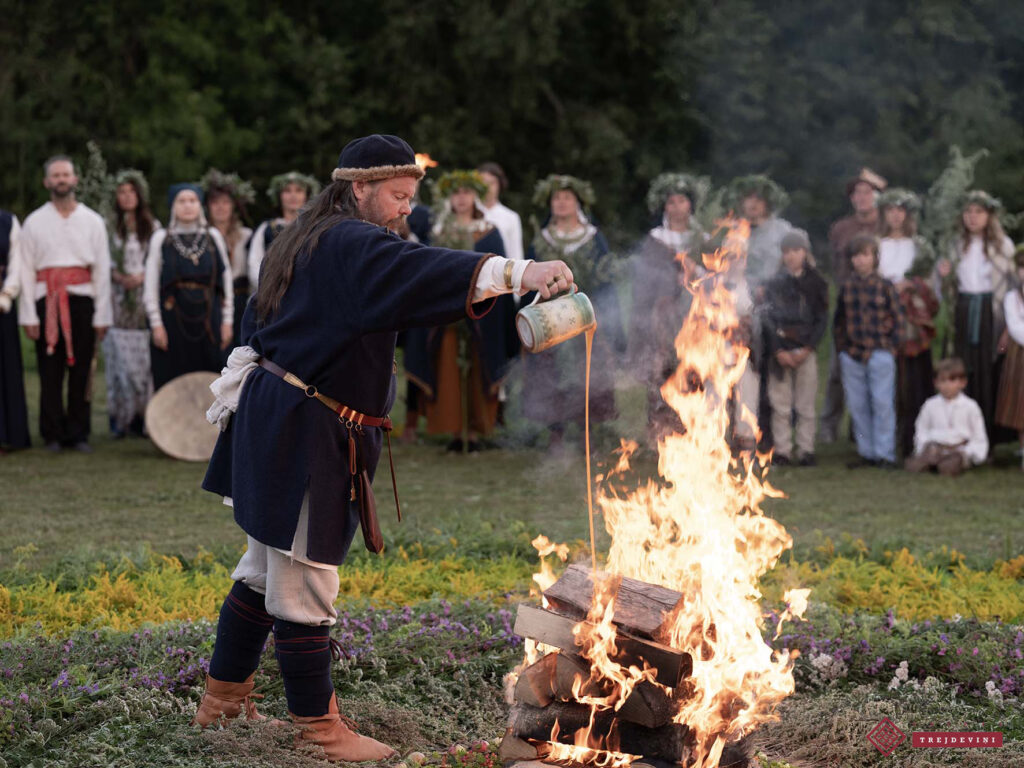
191,293
272,230
6,220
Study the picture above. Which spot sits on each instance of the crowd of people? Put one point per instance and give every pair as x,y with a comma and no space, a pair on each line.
163,301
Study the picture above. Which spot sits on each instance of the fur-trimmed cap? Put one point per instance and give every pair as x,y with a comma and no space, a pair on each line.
375,158
176,189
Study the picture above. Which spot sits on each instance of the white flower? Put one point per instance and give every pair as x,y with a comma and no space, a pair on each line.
903,671
894,684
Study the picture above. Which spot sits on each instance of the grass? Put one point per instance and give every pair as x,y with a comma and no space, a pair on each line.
59,513
127,493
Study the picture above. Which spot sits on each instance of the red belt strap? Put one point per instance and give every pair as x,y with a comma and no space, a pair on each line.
58,306
349,417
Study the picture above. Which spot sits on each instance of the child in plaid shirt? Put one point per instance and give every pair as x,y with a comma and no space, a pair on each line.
867,331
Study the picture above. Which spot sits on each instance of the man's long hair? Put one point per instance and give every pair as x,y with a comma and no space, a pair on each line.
335,204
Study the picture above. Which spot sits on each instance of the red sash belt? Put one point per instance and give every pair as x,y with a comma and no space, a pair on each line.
58,307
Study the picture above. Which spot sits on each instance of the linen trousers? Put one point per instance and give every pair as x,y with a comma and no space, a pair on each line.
796,390
296,588
870,389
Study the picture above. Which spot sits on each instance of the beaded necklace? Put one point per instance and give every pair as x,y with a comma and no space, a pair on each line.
194,251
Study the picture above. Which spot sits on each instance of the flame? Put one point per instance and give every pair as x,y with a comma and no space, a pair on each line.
699,530
424,161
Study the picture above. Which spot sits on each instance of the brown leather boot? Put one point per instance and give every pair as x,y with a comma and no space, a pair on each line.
228,701
339,741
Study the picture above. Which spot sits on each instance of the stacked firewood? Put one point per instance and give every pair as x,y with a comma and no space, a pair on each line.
544,691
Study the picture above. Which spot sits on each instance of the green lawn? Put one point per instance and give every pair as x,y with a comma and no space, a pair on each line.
127,495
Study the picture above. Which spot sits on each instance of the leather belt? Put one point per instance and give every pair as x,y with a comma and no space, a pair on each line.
345,414
353,421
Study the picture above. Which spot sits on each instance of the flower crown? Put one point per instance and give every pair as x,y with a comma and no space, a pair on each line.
547,187
668,184
900,198
282,180
453,181
241,191
982,198
133,176
760,185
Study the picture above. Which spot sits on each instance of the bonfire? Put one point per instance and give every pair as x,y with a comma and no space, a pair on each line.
666,658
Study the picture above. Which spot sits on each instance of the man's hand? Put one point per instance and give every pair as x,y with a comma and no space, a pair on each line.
5,303
101,332
226,333
32,331
547,278
785,358
799,355
160,338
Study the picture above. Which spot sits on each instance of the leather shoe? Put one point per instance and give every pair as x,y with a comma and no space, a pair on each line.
341,743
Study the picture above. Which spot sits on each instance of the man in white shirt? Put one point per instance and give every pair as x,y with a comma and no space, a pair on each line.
949,433
66,283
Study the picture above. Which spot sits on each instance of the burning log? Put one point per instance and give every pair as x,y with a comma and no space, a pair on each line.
514,749
556,630
648,705
643,609
670,742
554,677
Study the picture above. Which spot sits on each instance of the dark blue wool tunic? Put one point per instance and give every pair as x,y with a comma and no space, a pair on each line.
494,338
335,329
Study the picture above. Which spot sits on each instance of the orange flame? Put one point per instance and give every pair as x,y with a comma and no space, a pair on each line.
699,531
425,161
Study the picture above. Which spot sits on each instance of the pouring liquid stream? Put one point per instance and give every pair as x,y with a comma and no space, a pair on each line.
586,447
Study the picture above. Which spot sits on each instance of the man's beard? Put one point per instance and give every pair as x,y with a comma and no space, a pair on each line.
63,191
374,214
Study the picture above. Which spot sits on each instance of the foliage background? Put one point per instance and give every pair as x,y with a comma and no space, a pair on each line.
609,89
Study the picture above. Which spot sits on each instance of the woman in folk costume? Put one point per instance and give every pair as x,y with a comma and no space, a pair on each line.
227,195
459,368
668,255
188,290
319,347
289,192
906,259
1010,399
980,270
553,380
126,346
13,411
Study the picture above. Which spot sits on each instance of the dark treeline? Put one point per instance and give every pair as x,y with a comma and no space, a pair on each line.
612,90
